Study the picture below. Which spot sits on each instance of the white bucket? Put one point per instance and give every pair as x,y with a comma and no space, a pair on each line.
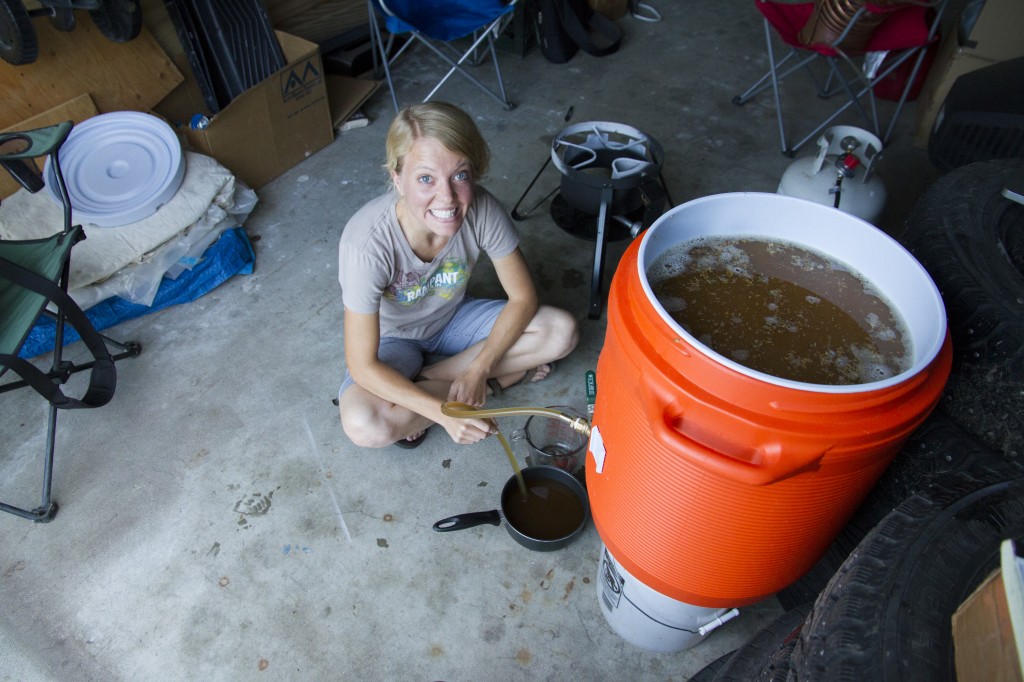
648,619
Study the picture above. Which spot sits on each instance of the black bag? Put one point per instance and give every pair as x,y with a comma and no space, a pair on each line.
565,26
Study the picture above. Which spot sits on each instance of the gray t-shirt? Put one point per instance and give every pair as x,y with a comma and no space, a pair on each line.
379,271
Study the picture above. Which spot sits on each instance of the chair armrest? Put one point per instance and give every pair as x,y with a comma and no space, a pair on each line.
30,144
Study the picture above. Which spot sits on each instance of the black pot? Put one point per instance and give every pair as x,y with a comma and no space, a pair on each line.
537,523
583,188
585,153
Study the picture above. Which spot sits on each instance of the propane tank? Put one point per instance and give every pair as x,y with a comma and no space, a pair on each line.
841,174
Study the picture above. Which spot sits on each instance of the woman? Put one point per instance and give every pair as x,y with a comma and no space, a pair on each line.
405,259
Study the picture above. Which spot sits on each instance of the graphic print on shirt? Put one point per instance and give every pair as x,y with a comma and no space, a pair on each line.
448,278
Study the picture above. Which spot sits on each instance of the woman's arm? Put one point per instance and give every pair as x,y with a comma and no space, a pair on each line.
362,339
515,279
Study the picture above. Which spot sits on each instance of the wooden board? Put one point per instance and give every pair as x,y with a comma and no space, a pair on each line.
131,76
322,22
983,639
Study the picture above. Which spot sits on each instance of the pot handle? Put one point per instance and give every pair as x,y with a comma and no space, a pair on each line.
468,520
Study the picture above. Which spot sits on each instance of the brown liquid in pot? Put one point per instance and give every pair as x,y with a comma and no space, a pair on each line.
550,511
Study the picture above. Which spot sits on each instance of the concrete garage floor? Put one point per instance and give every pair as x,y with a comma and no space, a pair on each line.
216,523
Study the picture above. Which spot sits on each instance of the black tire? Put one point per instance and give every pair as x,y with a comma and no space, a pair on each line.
18,42
766,655
118,20
971,240
777,668
939,447
885,615
708,672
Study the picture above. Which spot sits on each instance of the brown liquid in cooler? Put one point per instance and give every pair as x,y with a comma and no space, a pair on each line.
782,310
550,511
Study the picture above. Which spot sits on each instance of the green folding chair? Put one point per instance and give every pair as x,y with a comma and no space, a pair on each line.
33,274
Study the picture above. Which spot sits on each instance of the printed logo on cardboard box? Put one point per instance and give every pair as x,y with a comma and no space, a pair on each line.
300,81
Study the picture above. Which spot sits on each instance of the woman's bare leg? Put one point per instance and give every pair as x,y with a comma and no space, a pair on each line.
372,422
551,335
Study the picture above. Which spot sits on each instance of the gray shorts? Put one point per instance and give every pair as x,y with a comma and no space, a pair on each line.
471,323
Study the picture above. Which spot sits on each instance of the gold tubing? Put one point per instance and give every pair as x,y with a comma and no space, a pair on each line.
464,411
515,465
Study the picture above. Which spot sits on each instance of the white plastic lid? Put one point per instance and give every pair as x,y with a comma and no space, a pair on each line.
119,168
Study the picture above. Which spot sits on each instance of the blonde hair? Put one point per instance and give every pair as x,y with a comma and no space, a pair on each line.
441,121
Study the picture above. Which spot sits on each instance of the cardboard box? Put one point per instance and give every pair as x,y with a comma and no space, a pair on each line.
345,95
996,34
995,37
267,129
983,640
951,62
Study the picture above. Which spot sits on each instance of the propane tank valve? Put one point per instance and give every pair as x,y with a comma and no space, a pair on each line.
846,165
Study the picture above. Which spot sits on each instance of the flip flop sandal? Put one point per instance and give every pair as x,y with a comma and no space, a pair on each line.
497,390
414,443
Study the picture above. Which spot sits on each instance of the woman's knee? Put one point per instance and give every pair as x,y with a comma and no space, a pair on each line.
363,428
366,436
562,330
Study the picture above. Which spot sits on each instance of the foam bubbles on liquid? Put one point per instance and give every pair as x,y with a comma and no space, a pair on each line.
781,309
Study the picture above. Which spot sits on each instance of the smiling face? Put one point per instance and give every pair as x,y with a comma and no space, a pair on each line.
436,187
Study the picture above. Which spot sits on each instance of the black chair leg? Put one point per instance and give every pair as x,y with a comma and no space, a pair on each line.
60,373
47,508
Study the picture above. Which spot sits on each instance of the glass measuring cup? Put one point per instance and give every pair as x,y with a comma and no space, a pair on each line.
552,442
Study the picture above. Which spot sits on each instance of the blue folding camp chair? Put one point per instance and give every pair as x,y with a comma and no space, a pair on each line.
437,24
33,273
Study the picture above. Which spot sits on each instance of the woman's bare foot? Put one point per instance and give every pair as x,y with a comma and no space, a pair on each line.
506,381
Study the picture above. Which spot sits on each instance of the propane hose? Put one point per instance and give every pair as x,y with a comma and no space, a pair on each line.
464,411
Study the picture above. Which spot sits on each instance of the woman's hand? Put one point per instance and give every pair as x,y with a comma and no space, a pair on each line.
467,431
469,388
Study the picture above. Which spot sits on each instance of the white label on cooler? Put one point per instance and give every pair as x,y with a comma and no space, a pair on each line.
596,449
611,581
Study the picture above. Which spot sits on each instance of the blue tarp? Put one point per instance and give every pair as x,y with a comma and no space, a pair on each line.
230,255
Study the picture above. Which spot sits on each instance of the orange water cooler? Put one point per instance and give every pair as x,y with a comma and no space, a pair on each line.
713,486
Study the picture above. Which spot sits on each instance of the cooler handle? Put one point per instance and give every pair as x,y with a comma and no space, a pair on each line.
763,464
767,463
